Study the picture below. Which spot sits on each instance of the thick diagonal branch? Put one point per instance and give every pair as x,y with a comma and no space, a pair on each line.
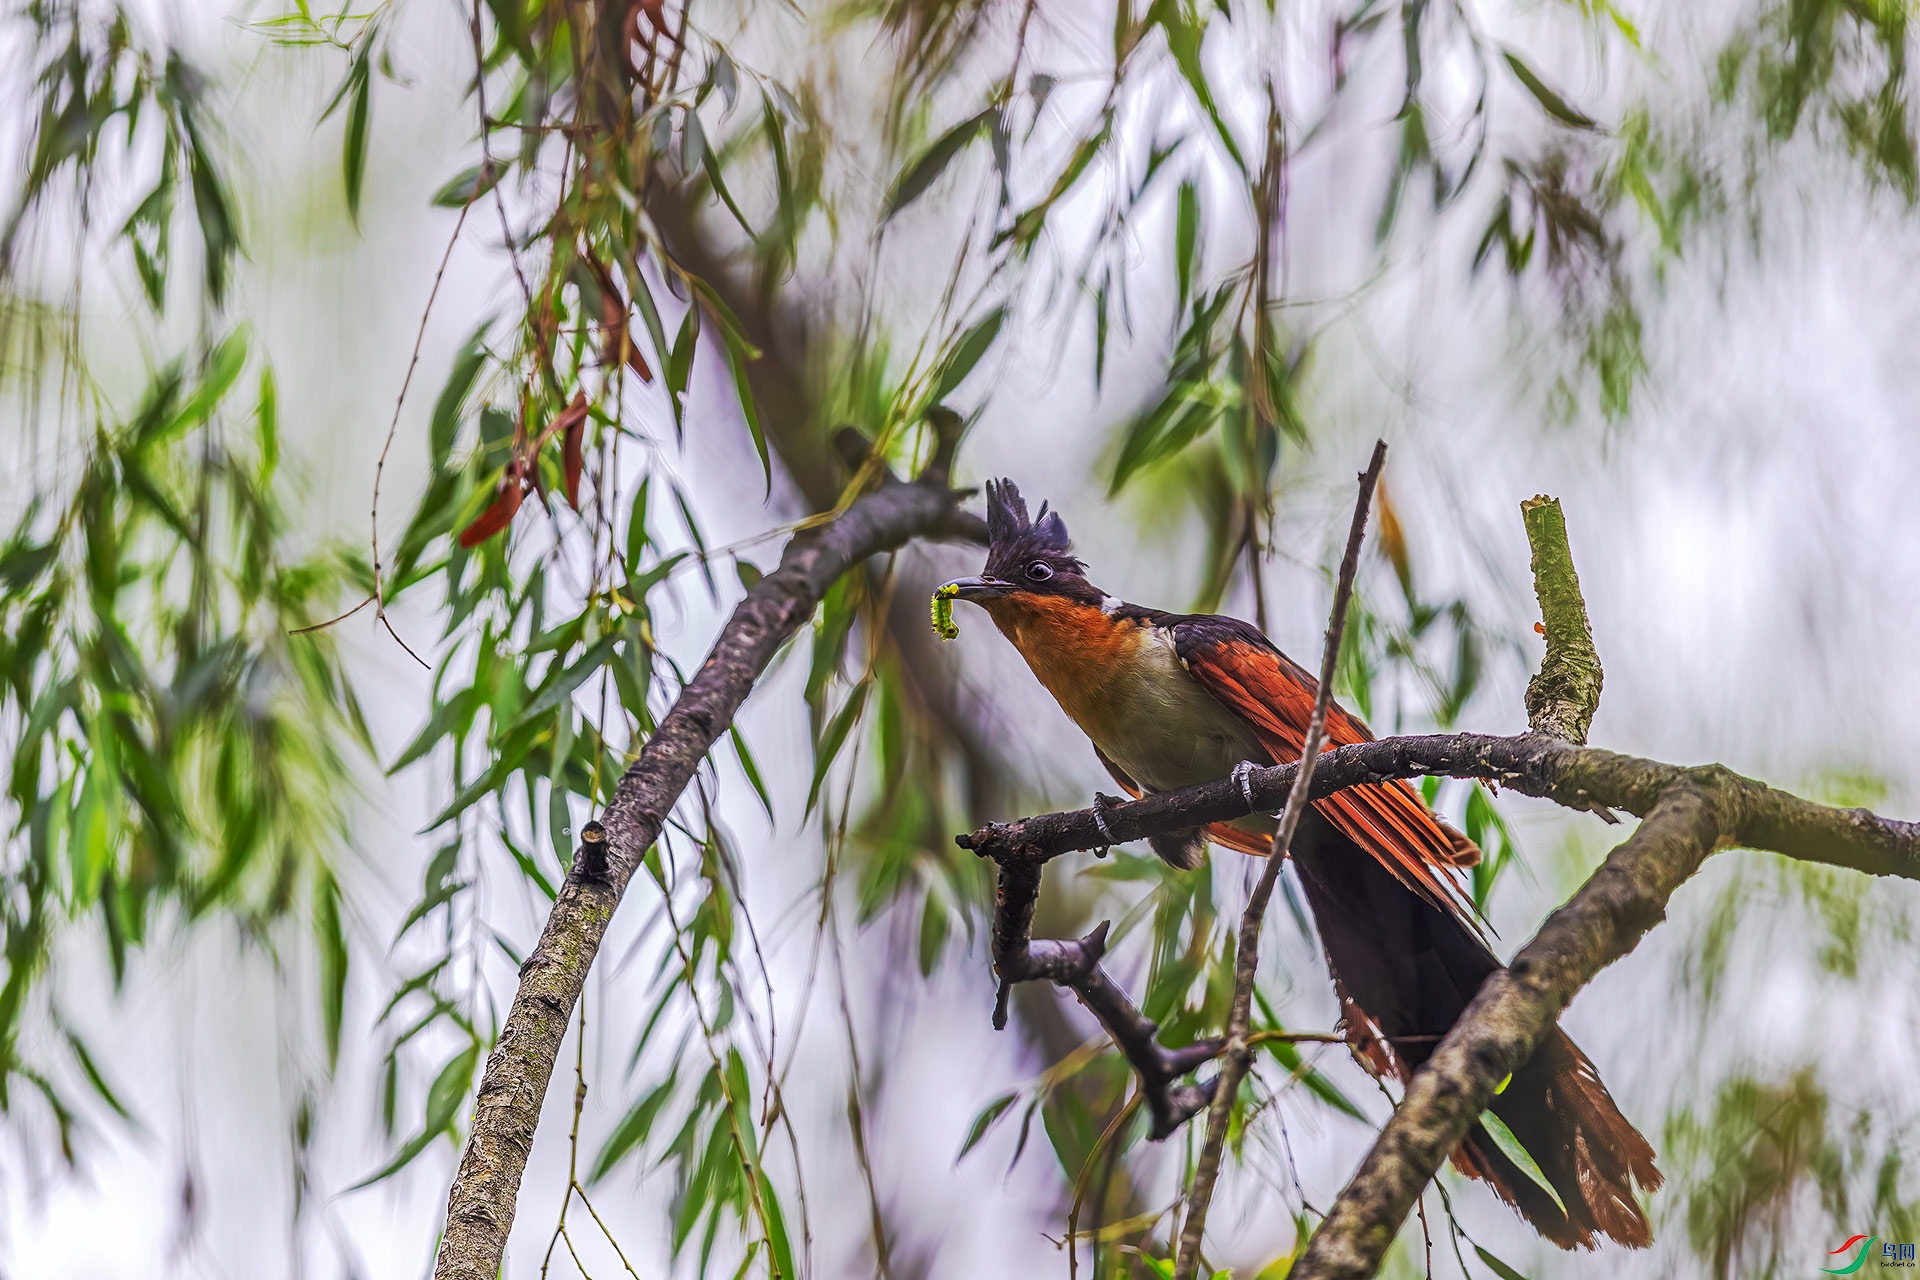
1514,1010
480,1206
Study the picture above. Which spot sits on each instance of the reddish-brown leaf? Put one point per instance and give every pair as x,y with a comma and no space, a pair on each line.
638,364
616,340
573,459
496,517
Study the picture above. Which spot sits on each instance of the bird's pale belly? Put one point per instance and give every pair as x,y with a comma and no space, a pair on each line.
1154,720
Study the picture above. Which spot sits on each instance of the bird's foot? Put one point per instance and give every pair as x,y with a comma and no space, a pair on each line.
1100,805
1243,774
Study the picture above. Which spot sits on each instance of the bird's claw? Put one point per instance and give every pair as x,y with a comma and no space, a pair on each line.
1100,803
1243,774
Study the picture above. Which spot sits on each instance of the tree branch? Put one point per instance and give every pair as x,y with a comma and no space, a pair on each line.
1563,694
1576,777
1247,955
1076,966
480,1205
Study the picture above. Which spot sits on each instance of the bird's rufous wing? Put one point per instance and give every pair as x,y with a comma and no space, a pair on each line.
1274,696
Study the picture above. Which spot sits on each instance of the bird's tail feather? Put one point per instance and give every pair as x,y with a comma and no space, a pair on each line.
1589,1153
1181,850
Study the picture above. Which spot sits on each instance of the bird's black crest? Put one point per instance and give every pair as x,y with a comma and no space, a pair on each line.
1008,525
1013,539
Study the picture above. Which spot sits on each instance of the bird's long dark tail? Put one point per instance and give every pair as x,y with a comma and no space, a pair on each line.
1405,971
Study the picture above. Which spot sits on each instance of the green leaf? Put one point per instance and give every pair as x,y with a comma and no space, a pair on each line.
212,207
967,352
443,1101
559,811
95,1077
835,737
751,769
1511,1148
680,361
353,154
470,184
267,414
511,754
777,1235
640,586
1186,239
988,1117
730,326
1177,421
529,868
738,352
1288,1055
637,540
438,885
332,940
1029,224
710,161
447,409
1556,106
934,928
931,163
222,371
561,687
1184,37
1500,1268
633,1128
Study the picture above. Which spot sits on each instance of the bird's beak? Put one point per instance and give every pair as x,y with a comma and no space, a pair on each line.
978,590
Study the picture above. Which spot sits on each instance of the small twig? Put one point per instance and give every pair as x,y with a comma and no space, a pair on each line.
380,467
1107,1136
322,626
1239,1054
1425,1234
573,1144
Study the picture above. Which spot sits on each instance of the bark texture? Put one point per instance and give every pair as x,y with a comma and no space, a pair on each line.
1563,694
480,1206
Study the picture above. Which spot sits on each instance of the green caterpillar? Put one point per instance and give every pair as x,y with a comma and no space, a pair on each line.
943,612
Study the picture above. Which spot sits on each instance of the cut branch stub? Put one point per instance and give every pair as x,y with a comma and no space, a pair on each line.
1562,697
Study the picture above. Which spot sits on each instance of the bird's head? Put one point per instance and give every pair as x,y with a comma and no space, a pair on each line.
1026,558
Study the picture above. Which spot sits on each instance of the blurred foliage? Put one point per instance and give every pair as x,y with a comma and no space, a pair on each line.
658,190
96,83
174,752
1763,1152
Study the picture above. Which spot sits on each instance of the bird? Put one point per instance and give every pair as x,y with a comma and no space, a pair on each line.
1170,700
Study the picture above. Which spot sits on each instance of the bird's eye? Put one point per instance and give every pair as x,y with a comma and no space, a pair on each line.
1039,571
